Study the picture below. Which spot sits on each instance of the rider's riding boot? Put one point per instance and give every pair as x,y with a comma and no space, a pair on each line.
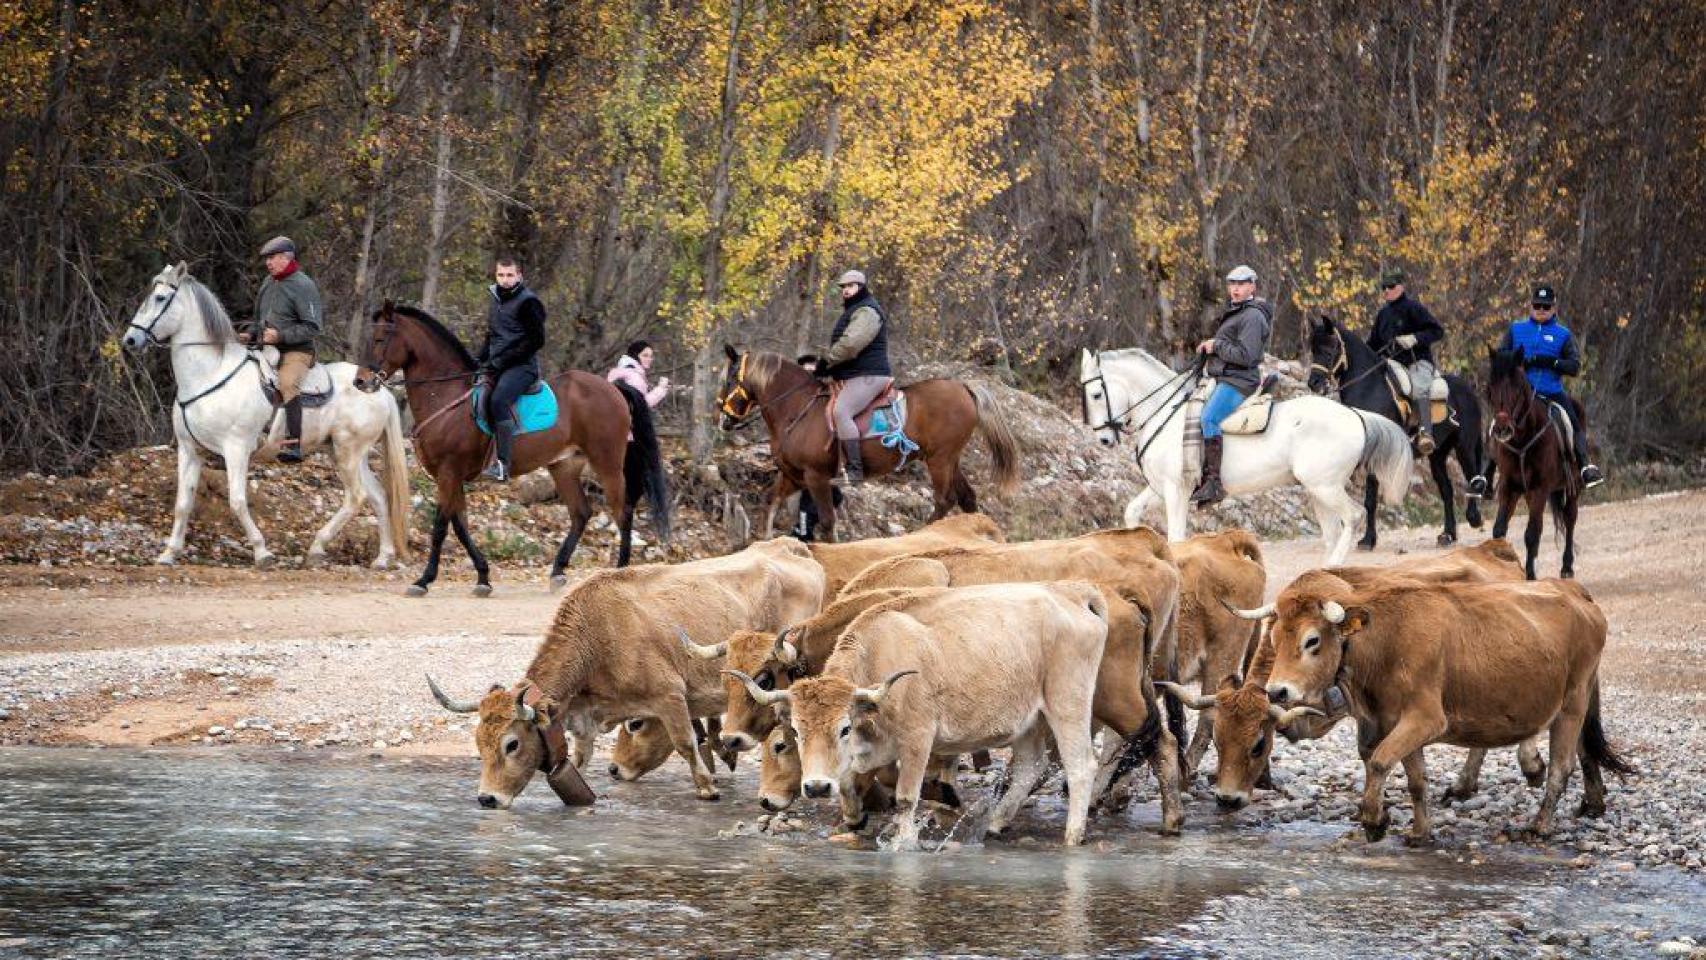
853,461
1425,433
503,432
1209,491
1591,476
290,451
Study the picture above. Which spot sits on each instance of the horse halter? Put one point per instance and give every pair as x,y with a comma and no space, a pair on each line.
750,404
375,362
148,331
1331,373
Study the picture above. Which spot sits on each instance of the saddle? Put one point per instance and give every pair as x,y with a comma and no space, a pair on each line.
316,389
1250,418
1566,431
535,410
883,419
1439,395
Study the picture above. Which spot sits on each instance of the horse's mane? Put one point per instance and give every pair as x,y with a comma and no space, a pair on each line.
213,315
1139,354
445,335
762,366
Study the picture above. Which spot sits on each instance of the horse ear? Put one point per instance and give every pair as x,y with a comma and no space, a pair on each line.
730,352
183,269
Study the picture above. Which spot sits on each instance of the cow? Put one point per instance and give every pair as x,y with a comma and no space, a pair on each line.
843,561
1476,665
1135,565
949,672
1244,739
1215,570
642,745
613,652
779,779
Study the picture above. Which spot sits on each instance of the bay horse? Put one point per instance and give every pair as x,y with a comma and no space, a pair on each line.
1530,453
941,416
592,428
222,410
1310,441
1341,362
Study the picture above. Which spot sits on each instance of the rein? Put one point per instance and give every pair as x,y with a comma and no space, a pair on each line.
1344,362
1117,424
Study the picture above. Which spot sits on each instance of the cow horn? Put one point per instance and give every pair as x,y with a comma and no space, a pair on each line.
1285,718
1193,700
785,650
1334,613
713,652
1259,613
874,695
524,712
454,706
764,697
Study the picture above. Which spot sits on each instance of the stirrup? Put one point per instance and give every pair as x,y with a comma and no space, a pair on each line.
497,471
290,452
1591,477
1477,487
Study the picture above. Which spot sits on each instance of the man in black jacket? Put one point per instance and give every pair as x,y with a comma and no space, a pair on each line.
509,359
1405,331
858,359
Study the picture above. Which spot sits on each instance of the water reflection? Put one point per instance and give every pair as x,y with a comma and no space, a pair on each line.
123,854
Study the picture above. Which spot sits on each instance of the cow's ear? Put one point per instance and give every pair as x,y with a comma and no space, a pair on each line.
1357,620
548,710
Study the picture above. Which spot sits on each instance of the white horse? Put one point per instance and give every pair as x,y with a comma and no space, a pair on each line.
1312,441
221,409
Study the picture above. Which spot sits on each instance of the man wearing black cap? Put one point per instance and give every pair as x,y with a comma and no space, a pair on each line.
1549,355
1405,331
287,316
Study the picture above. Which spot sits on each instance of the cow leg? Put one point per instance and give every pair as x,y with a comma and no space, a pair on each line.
482,570
1030,761
566,477
908,786
1593,786
1468,779
1370,503
1442,480
1201,737
1413,730
1566,739
679,725
1416,778
1531,533
1078,756
1532,763
1165,764
440,526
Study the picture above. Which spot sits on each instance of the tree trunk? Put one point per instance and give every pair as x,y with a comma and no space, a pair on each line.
441,168
810,292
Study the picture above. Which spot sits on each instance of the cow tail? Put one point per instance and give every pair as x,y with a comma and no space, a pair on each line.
1140,746
1386,455
997,431
642,466
1594,743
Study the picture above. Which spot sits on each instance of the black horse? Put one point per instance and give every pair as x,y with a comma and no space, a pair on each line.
1342,363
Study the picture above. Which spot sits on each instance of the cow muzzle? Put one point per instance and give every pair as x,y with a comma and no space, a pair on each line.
1231,801
817,789
491,801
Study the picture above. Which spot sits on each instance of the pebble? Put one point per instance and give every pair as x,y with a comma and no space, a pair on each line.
215,731
1674,948
380,744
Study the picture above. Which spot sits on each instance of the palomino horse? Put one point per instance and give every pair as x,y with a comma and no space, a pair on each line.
941,415
1530,453
592,428
1342,363
1311,441
222,410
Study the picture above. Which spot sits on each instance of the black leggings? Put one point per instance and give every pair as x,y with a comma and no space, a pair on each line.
507,388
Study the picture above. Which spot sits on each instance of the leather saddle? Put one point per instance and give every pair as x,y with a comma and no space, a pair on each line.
316,388
1252,416
874,420
1438,390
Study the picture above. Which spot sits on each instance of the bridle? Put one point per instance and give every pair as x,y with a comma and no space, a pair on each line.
1331,373
751,405
148,331
1117,423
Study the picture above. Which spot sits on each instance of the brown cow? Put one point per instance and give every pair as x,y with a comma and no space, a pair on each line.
642,745
779,779
1477,665
613,652
843,561
1215,569
950,672
1245,737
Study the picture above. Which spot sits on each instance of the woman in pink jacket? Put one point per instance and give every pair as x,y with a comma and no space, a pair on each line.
632,368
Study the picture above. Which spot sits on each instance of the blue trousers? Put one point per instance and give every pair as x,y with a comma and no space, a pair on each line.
1221,403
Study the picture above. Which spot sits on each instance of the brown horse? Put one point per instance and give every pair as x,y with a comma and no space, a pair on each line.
593,423
1531,457
941,415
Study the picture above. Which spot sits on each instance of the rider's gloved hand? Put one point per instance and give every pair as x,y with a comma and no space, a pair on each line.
483,379
1406,340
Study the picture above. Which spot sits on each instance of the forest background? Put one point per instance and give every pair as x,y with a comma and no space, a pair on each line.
1020,179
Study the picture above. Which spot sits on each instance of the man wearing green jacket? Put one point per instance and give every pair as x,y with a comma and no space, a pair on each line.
287,316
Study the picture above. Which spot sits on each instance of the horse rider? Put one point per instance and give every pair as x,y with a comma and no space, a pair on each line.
806,525
509,359
1549,355
858,360
287,316
1234,357
1405,331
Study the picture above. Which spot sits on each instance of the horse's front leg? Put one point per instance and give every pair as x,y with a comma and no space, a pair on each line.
1137,506
237,490
189,482
1507,506
1442,480
1531,533
440,526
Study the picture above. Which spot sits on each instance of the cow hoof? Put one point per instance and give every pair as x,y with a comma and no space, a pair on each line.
1376,832
482,590
1537,778
1419,843
1591,811
1172,826
1446,539
1453,795
708,795
415,590
558,582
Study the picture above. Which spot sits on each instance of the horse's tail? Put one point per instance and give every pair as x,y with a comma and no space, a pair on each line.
642,465
997,431
396,479
1386,455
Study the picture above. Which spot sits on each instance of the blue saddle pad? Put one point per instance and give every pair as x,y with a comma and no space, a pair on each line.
888,425
535,411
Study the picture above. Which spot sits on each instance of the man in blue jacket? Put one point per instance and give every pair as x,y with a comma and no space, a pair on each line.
1549,355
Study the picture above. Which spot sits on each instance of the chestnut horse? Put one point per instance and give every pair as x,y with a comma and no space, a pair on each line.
1531,456
941,415
593,422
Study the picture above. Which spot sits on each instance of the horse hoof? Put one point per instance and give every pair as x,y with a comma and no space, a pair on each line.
1365,546
1446,539
415,590
265,561
558,582
315,559
384,563
167,559
482,590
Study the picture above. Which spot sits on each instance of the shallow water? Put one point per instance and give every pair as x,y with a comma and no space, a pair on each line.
177,853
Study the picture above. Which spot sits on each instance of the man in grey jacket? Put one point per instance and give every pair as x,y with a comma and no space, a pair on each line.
288,316
858,359
1234,357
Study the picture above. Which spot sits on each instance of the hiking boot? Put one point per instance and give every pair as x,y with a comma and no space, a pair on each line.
1477,486
853,462
1210,491
1591,477
290,451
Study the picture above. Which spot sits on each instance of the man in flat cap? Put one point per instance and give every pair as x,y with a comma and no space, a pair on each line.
858,359
1549,355
1405,331
288,316
1234,359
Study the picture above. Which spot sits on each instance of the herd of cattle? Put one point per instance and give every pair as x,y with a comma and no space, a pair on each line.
864,671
